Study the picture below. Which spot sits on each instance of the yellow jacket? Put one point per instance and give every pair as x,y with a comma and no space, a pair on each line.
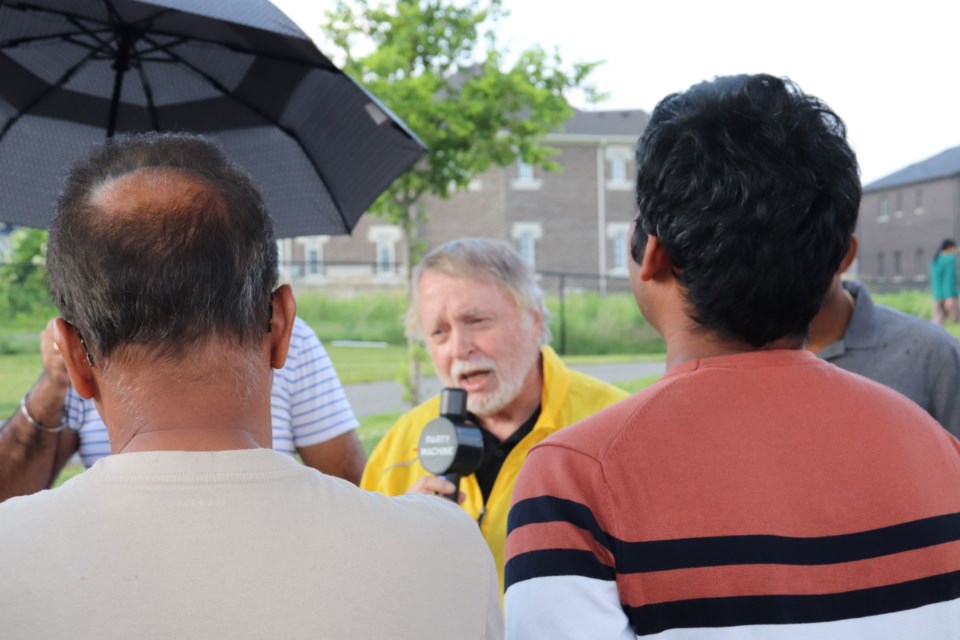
568,397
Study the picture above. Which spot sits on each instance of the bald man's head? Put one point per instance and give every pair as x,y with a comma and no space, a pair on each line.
160,242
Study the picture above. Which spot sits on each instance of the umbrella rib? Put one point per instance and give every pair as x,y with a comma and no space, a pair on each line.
65,35
148,92
227,93
43,94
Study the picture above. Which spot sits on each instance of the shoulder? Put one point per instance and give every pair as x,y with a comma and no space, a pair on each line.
415,522
919,331
39,519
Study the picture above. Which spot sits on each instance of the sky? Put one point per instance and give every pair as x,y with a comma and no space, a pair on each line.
888,69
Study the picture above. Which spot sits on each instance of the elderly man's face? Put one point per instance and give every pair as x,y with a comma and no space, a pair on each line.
478,338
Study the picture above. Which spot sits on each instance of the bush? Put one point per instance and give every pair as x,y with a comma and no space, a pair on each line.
597,324
375,318
24,298
914,302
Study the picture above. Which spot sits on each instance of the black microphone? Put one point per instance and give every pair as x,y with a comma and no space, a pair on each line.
449,445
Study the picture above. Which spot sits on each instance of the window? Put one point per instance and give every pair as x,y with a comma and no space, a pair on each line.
525,176
524,170
526,234
897,264
617,233
313,256
384,257
881,270
884,209
385,238
288,264
618,170
918,208
620,252
617,158
920,265
899,210
527,249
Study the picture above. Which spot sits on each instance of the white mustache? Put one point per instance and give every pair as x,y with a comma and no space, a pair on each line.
461,368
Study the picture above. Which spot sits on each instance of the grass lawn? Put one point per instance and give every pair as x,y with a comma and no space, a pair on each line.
356,365
17,373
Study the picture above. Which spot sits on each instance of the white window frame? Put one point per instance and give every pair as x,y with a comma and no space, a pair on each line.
385,237
617,233
316,244
527,232
526,177
619,156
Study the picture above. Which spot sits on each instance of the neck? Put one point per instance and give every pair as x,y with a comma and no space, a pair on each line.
691,343
503,423
170,413
832,321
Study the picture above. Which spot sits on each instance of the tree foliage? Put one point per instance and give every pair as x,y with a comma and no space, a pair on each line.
23,280
440,68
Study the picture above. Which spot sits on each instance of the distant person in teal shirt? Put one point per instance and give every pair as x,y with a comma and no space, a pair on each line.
943,279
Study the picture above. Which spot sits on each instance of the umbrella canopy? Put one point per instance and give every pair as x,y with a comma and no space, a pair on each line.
73,72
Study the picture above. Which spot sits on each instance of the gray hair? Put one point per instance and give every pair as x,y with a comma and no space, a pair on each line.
163,275
481,258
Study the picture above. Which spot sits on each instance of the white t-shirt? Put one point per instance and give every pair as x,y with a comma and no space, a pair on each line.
238,544
307,403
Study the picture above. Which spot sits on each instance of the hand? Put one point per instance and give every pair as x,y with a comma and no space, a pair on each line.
53,365
437,486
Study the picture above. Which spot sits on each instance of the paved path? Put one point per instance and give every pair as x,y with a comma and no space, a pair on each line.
387,397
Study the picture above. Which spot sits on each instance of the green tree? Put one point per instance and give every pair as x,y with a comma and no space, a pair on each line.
440,68
23,279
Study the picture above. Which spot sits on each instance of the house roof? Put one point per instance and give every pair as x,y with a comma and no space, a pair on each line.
606,123
942,165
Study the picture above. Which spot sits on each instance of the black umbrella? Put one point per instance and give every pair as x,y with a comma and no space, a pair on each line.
74,71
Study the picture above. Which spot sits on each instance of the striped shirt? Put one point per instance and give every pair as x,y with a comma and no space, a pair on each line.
307,403
762,495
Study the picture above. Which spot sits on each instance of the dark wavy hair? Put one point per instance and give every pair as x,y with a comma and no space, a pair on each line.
948,243
753,191
165,275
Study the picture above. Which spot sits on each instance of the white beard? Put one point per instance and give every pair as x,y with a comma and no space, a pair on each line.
509,380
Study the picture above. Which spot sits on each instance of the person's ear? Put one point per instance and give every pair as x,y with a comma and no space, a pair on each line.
75,357
849,257
284,307
537,321
655,261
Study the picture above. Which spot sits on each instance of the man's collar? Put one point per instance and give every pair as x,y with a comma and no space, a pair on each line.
861,333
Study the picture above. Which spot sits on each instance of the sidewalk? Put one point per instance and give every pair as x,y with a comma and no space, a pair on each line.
387,397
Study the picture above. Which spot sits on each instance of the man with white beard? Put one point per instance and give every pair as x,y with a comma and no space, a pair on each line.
482,315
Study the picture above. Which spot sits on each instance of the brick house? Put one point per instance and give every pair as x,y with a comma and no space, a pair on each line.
574,220
905,216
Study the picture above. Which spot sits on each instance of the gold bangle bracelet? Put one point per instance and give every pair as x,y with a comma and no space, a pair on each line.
29,418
